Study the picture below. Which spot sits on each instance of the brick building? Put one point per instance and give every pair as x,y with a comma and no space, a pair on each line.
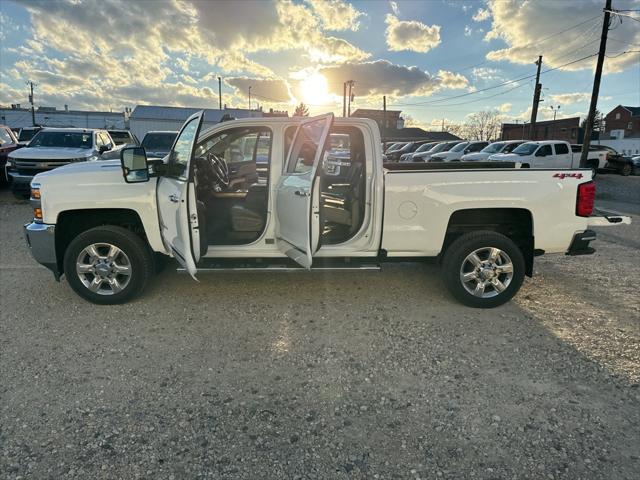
623,122
567,129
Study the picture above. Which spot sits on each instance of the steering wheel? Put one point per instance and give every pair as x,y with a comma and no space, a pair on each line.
220,169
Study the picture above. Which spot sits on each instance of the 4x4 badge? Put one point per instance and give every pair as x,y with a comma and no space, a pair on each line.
562,176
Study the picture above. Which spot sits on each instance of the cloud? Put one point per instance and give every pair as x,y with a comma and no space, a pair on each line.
411,35
467,31
485,73
481,15
394,8
504,107
381,77
336,14
525,27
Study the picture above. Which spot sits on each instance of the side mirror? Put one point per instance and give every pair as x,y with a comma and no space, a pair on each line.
104,148
135,167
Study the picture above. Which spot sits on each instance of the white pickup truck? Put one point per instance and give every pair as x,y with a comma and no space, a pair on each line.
551,154
102,224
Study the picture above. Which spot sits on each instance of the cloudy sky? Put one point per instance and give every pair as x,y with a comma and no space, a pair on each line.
434,59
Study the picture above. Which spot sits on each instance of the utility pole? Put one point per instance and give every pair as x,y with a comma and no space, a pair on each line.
220,93
249,97
384,122
596,86
350,83
443,124
33,111
344,99
536,101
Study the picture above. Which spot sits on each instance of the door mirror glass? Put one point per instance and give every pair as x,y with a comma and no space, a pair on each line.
104,148
135,168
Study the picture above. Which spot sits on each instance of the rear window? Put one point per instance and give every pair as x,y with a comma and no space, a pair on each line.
561,148
161,142
121,138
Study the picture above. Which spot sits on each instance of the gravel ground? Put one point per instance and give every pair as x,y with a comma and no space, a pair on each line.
324,375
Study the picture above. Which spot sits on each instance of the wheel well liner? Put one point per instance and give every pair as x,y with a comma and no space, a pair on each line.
515,223
71,223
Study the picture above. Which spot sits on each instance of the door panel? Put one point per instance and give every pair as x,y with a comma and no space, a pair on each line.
298,193
176,198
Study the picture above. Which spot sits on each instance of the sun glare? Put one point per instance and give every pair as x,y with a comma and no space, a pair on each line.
314,90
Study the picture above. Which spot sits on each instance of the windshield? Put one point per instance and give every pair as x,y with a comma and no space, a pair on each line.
493,148
62,139
5,138
158,142
26,134
424,147
459,147
526,149
121,137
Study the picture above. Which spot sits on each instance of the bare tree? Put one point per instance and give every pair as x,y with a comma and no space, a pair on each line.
483,125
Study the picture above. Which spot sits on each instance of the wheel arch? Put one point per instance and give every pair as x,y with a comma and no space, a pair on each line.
71,223
515,223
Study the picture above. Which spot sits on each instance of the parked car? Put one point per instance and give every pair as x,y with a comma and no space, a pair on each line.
506,146
100,223
26,134
635,162
408,157
456,153
409,147
437,148
615,161
157,144
123,137
8,143
548,154
52,148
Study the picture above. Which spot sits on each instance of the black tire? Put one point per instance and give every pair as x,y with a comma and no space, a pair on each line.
626,170
137,253
454,260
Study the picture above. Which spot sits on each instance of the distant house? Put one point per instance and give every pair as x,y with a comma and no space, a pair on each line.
144,118
567,129
623,122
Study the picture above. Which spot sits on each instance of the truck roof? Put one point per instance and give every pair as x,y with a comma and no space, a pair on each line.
71,130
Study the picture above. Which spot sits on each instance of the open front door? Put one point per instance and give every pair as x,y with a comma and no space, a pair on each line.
176,197
298,194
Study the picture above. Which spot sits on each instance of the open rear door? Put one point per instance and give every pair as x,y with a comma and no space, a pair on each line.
298,194
176,197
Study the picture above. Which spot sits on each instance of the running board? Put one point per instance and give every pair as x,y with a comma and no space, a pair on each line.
282,265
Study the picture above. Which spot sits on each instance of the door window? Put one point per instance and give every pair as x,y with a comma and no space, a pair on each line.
303,151
181,153
561,148
99,141
543,151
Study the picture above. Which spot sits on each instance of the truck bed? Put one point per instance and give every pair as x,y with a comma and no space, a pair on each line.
418,166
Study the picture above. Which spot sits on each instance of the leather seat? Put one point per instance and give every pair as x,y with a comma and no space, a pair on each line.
250,215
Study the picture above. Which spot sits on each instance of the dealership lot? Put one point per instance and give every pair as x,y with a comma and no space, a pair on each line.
325,375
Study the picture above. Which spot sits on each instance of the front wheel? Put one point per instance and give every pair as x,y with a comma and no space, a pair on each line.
483,269
108,265
626,170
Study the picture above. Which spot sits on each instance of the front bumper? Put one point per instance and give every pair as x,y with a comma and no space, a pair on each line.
41,240
19,182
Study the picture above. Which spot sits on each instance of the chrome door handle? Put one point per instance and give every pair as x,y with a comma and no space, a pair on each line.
174,198
302,193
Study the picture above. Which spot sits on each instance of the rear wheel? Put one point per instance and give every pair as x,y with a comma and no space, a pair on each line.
483,269
108,265
626,170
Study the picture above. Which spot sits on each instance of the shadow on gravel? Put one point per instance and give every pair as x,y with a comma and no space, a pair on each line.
307,375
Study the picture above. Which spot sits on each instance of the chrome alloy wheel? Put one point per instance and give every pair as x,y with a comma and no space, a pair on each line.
103,268
486,272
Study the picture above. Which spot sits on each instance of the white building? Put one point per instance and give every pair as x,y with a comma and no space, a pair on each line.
628,147
18,117
145,118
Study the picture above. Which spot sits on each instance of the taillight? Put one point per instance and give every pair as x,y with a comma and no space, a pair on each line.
586,199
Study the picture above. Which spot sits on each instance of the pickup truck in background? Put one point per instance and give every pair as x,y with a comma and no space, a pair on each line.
505,146
8,143
158,143
457,152
101,224
52,148
26,134
550,154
